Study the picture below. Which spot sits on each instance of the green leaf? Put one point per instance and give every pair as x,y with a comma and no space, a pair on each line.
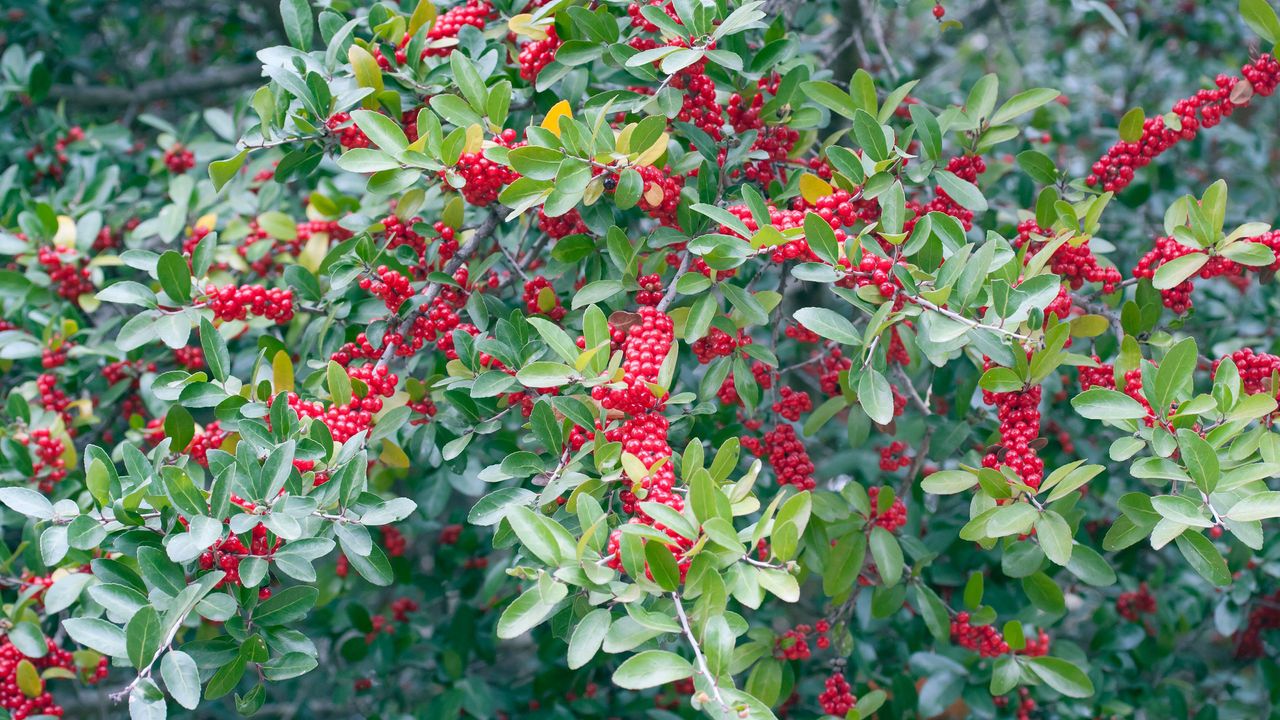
181,678
887,553
1055,537
534,535
587,637
1261,18
216,355
1259,506
1091,567
1181,510
528,610
965,193
830,97
847,557
97,634
829,324
1200,458
299,25
1013,519
286,606
174,276
339,383
651,668
948,482
1204,557
662,565
221,171
545,374
1104,404
1038,166
1131,125
1172,273
142,636
1023,102
27,502
382,131
1065,677
875,396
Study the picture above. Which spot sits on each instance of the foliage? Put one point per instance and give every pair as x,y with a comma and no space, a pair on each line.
761,393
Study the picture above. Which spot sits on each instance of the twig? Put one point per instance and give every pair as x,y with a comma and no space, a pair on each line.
464,253
947,312
671,291
697,652
917,462
911,390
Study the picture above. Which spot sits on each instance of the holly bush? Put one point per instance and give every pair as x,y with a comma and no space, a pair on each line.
553,359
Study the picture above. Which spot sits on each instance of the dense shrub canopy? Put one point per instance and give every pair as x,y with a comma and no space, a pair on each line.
664,359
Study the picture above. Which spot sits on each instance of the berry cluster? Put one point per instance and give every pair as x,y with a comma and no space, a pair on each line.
837,699
1178,298
232,302
49,466
389,285
1265,615
660,198
893,456
541,299
483,178
1259,372
179,159
890,519
1019,414
53,399
442,36
644,432
58,161
792,404
227,553
191,358
1132,604
68,273
537,54
985,639
786,455
794,643
773,141
562,226
1074,264
1026,704
22,705
349,136
717,343
1115,170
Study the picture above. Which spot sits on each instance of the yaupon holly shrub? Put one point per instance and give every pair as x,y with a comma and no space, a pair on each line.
557,359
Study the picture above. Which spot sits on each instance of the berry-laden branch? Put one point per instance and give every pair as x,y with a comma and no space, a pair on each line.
481,235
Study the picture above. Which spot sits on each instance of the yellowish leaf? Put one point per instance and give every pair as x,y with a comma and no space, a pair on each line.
367,72
654,195
521,25
475,139
66,235
29,681
653,152
393,456
282,372
814,188
424,14
206,222
552,120
314,251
